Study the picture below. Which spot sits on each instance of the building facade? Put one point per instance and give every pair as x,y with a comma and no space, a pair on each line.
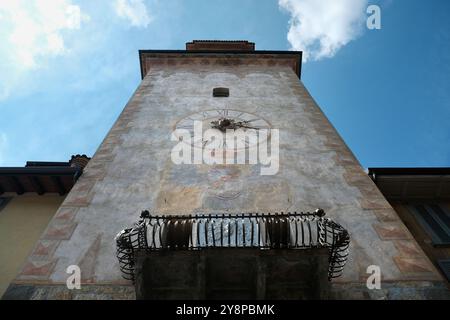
29,198
421,198
133,170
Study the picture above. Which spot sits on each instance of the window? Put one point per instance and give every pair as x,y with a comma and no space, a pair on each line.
221,92
445,267
435,219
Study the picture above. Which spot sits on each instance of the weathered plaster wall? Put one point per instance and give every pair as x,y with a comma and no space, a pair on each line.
132,171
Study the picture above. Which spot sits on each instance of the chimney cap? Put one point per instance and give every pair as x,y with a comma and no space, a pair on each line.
221,45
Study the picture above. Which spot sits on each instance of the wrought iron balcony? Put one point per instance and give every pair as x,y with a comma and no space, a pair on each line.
258,231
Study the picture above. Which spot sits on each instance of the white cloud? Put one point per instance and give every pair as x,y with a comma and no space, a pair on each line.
34,28
133,10
321,28
31,31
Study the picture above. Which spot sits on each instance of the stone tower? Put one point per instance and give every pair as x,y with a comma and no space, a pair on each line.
132,170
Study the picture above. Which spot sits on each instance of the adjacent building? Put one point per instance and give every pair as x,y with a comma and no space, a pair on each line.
421,198
29,198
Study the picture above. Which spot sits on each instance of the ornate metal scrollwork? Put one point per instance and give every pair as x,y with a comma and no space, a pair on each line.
259,231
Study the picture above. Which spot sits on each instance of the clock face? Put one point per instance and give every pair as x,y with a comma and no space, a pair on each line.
222,120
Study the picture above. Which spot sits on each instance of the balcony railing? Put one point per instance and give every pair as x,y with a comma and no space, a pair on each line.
259,231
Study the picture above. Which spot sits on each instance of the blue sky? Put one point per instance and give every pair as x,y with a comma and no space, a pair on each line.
68,67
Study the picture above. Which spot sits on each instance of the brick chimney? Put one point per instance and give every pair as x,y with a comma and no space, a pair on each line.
79,161
220,45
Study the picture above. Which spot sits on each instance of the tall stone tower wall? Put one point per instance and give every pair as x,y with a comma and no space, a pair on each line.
132,171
